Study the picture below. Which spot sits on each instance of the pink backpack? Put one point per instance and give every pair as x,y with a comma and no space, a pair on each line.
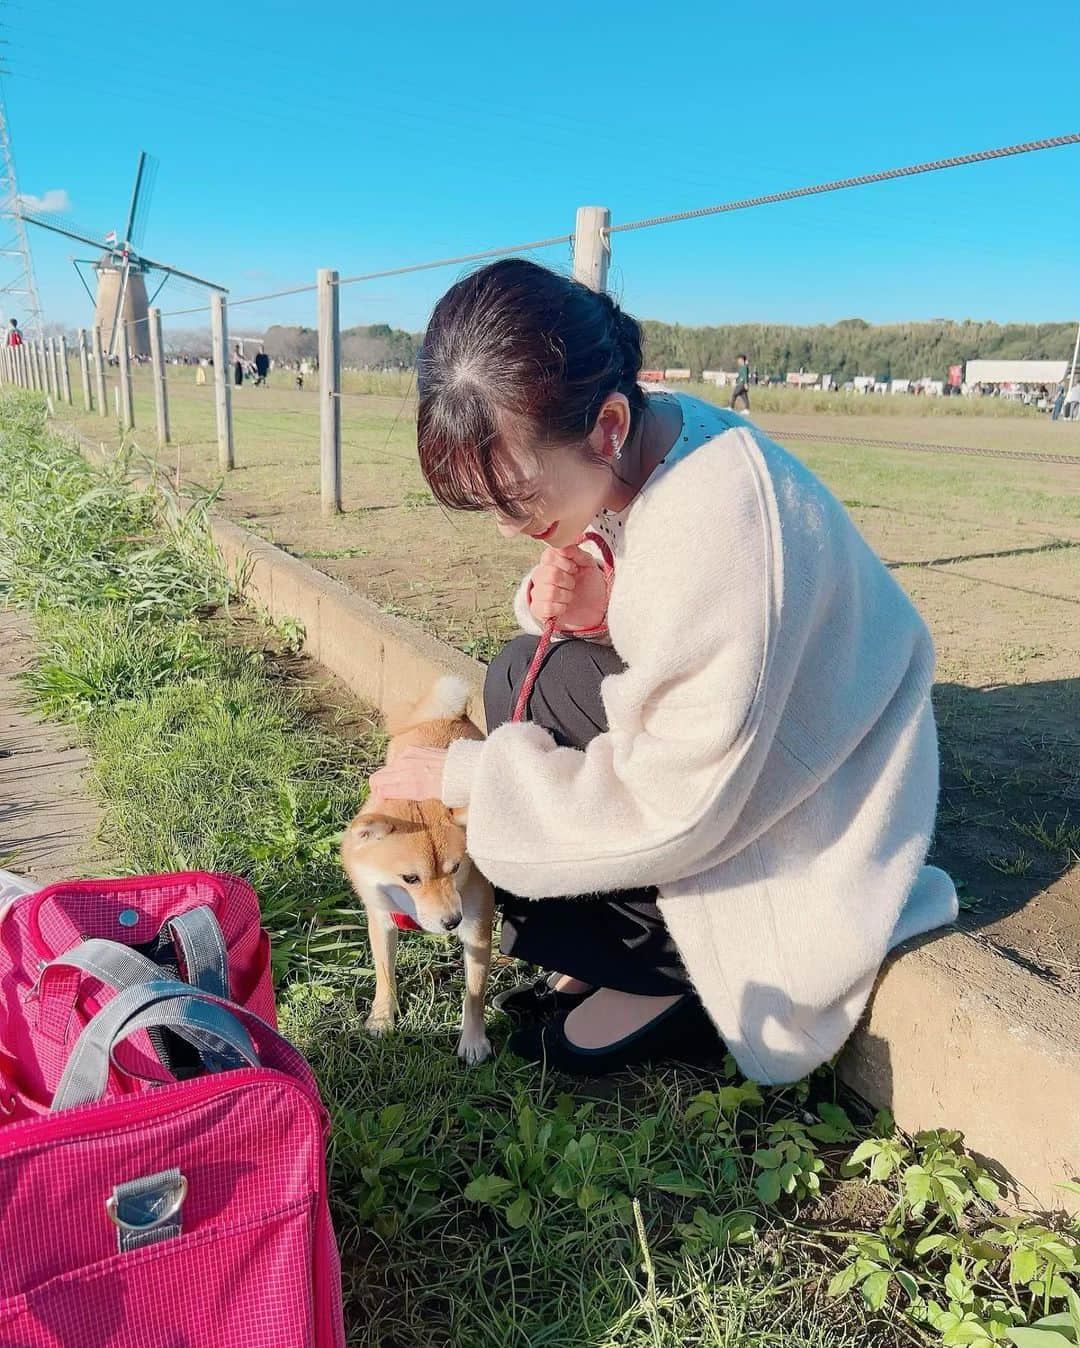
162,1147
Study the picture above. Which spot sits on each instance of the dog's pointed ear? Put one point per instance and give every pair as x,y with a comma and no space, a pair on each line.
459,814
369,828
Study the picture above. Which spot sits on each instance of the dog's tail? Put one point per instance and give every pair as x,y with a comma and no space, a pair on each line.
446,701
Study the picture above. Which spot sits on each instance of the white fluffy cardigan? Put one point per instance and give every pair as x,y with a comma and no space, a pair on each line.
771,763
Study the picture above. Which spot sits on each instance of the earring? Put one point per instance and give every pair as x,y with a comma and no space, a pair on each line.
616,448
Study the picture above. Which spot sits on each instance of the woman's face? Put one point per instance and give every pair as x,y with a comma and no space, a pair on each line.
564,486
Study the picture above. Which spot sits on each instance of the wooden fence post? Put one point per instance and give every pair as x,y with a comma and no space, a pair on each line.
38,375
84,370
592,246
54,368
65,372
161,395
127,407
326,285
99,372
219,341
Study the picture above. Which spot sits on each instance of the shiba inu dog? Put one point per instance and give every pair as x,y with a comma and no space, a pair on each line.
408,857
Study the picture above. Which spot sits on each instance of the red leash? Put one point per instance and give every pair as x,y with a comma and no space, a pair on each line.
607,562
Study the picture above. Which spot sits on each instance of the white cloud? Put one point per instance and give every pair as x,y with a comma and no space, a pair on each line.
54,200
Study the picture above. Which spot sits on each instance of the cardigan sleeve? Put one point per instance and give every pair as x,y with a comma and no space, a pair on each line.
652,798
522,612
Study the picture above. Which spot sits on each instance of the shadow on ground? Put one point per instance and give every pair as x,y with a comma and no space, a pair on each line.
1009,816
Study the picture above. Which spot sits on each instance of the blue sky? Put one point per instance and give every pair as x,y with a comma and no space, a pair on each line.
363,136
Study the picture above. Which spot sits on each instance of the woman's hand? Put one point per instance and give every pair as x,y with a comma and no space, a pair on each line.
413,774
568,585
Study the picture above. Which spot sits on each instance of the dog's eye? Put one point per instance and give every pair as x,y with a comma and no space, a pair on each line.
454,867
410,879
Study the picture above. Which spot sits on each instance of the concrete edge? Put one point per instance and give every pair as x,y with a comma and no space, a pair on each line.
383,659
955,1036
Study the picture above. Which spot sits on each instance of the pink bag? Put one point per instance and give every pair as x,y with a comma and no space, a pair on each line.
207,919
144,1212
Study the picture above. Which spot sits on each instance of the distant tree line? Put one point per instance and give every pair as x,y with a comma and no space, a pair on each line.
844,349
378,345
853,346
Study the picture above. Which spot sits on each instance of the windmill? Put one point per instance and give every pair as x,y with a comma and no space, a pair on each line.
122,268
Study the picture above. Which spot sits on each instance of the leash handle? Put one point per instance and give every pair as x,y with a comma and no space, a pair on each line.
607,563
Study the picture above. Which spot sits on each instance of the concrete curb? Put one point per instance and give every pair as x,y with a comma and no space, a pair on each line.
957,1035
383,659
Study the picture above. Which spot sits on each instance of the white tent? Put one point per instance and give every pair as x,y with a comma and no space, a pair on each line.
1015,371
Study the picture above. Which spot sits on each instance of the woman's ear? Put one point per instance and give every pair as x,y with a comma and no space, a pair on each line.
612,426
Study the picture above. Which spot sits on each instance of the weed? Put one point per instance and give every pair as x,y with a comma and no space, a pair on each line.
1060,838
1015,863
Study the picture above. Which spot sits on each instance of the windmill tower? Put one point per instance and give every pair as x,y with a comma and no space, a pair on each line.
20,285
121,269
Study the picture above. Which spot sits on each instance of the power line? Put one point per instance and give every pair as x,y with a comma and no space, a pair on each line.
860,180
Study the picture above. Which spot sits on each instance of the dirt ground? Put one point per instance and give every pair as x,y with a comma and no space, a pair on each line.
987,548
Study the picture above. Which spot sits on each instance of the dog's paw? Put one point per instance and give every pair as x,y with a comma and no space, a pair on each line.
473,1048
380,1024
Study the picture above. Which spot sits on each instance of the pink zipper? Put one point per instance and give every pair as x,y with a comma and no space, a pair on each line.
149,1105
122,884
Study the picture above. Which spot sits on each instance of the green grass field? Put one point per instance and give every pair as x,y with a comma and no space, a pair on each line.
489,1208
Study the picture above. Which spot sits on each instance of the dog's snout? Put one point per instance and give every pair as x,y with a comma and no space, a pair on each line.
451,922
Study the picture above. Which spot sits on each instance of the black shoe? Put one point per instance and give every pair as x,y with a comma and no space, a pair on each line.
530,1002
683,1032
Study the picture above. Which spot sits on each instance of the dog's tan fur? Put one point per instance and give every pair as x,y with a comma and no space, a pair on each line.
392,841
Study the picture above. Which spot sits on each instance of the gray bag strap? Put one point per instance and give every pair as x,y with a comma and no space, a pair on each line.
196,935
118,966
199,938
195,1016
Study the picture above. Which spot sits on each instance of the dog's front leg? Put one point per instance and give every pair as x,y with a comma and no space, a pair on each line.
475,932
384,938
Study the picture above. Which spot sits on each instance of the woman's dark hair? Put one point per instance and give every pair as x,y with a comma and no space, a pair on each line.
515,346
743,356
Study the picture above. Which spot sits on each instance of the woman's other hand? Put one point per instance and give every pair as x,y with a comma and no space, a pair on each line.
413,774
569,586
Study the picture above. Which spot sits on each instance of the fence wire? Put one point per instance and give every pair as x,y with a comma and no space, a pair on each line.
698,212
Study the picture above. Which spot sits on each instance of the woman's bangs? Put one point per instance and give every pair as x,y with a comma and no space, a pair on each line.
462,467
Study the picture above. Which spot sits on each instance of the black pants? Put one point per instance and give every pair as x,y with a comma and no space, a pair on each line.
616,940
744,394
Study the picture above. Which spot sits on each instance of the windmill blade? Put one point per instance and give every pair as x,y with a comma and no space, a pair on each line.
137,232
54,223
184,275
133,207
